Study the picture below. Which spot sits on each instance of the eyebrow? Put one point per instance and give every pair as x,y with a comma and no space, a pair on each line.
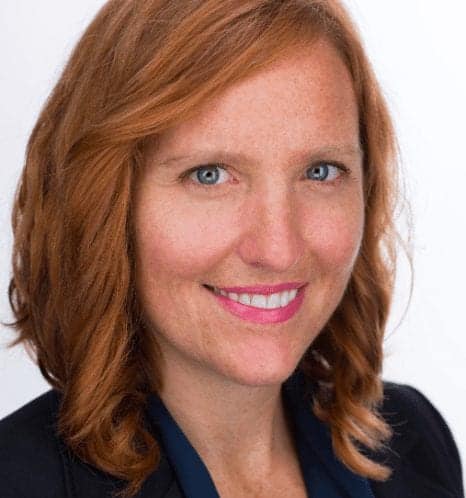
239,157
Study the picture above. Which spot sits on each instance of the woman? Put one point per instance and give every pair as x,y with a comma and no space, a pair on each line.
203,265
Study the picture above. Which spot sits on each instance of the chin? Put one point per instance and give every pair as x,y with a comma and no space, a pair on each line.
261,375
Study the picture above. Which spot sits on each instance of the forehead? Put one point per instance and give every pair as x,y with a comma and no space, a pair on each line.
305,97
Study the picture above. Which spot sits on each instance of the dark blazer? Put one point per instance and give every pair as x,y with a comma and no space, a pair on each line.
34,462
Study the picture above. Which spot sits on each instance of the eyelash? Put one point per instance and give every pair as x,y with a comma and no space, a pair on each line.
344,170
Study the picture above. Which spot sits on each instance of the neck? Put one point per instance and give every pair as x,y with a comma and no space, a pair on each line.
233,427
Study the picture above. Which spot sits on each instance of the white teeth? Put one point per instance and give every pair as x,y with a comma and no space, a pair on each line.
245,299
273,301
259,301
284,298
292,294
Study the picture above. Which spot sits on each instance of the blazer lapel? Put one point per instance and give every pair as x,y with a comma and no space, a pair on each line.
162,483
174,491
85,481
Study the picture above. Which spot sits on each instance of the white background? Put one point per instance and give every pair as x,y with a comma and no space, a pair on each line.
417,48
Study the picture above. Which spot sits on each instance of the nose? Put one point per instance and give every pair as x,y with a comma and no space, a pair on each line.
272,238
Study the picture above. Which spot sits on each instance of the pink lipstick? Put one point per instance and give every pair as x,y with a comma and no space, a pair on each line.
259,315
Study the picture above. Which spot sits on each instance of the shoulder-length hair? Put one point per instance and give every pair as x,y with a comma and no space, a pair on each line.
141,67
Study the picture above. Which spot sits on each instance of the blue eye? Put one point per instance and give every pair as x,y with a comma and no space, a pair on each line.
213,174
324,171
207,175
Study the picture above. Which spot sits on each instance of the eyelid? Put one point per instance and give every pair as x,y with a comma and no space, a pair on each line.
337,164
200,166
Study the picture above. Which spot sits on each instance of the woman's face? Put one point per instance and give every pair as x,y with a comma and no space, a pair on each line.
278,198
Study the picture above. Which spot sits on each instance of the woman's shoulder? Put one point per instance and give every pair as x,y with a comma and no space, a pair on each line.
29,454
410,412
32,415
422,451
36,463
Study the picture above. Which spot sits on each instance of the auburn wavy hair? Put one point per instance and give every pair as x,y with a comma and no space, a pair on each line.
141,67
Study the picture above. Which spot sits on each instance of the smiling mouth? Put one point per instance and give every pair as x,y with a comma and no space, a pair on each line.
274,301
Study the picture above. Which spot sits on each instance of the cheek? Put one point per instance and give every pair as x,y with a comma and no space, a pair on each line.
335,239
185,240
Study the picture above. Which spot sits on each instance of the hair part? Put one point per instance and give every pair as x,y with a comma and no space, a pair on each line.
140,68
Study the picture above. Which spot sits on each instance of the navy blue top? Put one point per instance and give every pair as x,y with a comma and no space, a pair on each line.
324,475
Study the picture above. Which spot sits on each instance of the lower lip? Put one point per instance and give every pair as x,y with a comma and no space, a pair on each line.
259,315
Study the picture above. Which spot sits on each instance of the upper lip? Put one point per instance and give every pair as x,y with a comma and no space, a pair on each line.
266,289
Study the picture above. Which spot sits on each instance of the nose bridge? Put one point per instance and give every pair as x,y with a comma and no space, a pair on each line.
272,238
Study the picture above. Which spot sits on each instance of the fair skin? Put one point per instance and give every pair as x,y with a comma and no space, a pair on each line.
264,220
